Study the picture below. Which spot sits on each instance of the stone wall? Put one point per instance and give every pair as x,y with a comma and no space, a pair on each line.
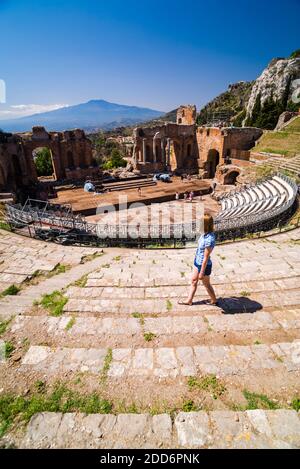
71,156
187,148
186,115
167,147
218,145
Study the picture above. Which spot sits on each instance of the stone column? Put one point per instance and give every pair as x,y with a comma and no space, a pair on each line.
154,150
168,152
163,153
144,150
154,147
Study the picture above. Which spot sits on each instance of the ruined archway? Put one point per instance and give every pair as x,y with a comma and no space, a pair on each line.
43,161
213,159
148,153
230,177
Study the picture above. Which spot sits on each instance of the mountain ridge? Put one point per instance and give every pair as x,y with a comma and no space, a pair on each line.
95,113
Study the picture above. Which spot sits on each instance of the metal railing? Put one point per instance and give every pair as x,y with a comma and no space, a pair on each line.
30,213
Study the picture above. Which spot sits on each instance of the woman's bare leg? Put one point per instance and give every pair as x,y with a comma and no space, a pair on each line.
209,288
194,284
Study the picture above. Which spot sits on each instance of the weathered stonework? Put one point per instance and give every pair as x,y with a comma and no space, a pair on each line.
71,156
170,146
219,146
186,115
186,147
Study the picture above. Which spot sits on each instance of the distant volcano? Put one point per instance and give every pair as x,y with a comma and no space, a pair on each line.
95,114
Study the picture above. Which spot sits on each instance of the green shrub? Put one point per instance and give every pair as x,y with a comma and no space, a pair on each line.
116,160
43,162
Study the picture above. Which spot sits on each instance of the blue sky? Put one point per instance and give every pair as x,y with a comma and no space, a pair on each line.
150,53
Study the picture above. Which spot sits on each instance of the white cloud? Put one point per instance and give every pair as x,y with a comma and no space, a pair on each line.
22,110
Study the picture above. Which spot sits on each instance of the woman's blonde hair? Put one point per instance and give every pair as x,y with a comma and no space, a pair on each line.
208,223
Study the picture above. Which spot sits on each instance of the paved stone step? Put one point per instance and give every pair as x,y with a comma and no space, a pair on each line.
230,304
93,331
278,429
11,305
179,290
170,279
166,362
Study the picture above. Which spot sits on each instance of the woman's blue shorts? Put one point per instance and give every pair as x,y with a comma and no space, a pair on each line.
207,270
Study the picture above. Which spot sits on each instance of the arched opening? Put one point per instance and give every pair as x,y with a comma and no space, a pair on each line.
17,170
157,149
179,120
213,159
70,160
43,161
189,149
148,153
230,178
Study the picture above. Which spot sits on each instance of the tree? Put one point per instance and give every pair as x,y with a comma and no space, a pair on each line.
43,162
116,160
295,54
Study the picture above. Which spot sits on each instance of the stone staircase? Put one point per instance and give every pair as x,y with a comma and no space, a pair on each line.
290,164
175,376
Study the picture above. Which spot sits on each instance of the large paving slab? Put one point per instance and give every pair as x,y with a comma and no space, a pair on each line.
250,341
166,362
278,429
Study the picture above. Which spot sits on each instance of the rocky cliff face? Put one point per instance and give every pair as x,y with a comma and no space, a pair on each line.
274,82
227,105
258,103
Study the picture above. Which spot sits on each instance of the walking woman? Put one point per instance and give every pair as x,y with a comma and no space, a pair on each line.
203,263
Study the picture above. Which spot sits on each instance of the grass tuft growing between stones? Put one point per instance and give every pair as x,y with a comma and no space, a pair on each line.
189,406
91,257
70,323
107,362
258,401
5,226
12,290
61,399
209,383
140,317
8,349
169,305
4,325
81,282
40,275
58,269
54,302
149,336
244,293
296,404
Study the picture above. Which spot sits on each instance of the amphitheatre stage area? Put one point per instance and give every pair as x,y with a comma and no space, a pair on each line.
151,192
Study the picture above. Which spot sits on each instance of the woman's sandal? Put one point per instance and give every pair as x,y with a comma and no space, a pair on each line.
180,302
213,303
